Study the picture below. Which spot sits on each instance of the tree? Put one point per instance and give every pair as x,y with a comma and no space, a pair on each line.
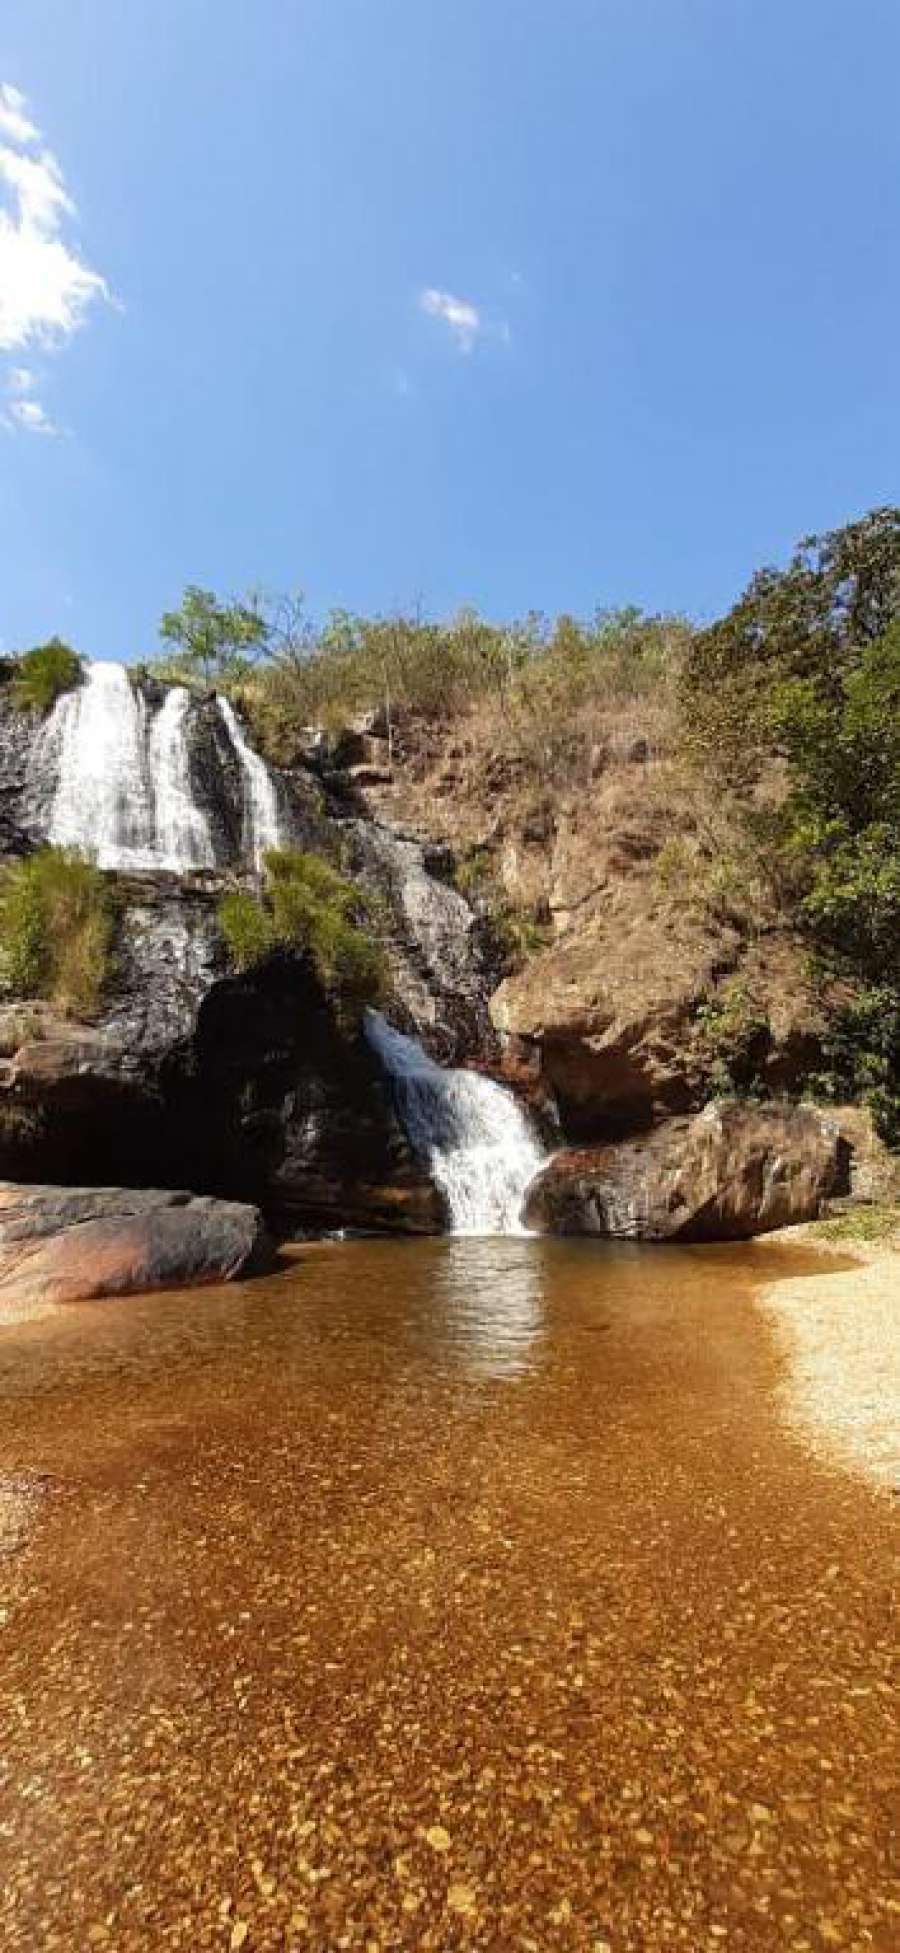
212,640
44,672
807,623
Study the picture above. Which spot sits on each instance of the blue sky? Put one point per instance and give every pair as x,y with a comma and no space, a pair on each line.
528,303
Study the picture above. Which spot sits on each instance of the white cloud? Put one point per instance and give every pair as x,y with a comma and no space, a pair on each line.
30,415
14,123
462,318
20,379
46,289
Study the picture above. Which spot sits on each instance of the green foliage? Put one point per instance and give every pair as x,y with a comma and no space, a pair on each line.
309,905
733,1039
519,932
862,1055
873,1224
43,673
473,871
209,641
805,672
56,926
248,928
809,622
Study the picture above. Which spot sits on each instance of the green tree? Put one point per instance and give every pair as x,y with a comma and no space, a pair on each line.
808,622
214,641
44,672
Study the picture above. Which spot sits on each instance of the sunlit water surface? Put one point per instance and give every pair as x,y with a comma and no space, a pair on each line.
438,1594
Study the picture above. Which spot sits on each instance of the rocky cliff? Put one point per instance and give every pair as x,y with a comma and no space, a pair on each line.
255,1087
248,1086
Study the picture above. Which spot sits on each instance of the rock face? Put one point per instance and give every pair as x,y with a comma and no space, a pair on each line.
611,1024
252,1089
733,1171
66,1244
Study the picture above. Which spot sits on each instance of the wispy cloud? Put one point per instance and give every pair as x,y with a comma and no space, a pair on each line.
30,415
459,315
46,288
14,123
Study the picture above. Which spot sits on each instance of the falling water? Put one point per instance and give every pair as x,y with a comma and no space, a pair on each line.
182,836
103,803
123,788
262,829
475,1137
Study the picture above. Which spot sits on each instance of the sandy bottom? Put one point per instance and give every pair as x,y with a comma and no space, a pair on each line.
20,1497
839,1333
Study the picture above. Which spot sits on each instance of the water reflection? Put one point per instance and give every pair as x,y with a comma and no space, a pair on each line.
488,1303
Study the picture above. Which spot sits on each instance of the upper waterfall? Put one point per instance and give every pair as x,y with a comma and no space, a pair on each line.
261,824
103,803
480,1148
120,779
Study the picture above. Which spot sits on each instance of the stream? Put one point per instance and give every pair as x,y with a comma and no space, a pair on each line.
433,1594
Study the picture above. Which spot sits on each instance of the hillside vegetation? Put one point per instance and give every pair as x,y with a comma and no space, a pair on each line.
734,788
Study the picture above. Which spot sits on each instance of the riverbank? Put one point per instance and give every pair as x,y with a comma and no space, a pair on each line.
838,1333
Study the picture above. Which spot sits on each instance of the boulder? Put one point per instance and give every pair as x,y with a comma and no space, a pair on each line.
66,1244
733,1171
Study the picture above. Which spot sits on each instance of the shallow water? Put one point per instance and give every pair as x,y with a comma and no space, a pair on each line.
439,1594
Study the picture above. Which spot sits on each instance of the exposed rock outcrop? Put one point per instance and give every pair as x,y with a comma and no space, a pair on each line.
249,1087
66,1244
733,1171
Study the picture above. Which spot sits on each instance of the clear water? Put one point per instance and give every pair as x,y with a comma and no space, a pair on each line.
439,1594
478,1143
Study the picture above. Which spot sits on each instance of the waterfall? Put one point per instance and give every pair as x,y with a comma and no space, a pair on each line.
182,835
123,790
103,803
262,828
475,1137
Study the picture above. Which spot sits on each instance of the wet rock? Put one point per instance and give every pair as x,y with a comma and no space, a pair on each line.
246,1087
733,1171
66,1244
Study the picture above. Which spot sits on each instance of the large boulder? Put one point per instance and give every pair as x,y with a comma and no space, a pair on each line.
66,1244
733,1171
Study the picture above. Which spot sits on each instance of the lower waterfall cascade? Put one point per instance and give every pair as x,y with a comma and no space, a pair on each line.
473,1133
122,790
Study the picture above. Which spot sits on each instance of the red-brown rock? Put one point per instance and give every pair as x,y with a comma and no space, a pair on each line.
66,1244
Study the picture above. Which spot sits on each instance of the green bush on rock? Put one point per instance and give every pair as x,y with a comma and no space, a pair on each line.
43,673
56,925
307,904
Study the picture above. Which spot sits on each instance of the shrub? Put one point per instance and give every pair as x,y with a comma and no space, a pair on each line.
248,929
43,673
56,926
309,905
734,1037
